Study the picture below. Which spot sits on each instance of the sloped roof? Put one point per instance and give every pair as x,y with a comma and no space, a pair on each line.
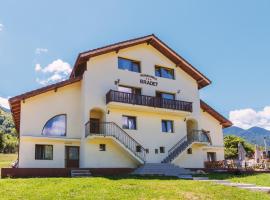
223,121
83,57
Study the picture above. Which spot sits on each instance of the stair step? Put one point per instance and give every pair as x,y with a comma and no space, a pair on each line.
188,177
165,169
80,173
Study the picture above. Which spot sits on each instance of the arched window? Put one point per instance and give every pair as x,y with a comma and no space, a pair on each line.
56,126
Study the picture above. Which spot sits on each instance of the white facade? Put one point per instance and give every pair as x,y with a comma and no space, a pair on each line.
86,99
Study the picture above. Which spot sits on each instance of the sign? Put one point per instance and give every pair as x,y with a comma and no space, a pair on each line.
148,80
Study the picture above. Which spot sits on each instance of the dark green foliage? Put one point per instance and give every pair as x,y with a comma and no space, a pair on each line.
231,146
8,134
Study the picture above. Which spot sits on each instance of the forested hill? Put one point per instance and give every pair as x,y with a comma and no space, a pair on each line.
8,134
6,122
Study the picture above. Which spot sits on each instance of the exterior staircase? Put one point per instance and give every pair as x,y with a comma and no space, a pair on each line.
163,169
111,129
197,136
80,173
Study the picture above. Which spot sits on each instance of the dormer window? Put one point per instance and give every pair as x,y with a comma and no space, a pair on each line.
129,65
164,72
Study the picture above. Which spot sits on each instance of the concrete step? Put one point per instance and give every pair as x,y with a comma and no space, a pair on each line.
80,173
165,169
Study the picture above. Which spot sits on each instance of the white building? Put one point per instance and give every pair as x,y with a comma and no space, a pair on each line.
124,105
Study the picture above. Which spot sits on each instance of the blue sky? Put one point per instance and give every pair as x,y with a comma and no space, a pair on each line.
228,41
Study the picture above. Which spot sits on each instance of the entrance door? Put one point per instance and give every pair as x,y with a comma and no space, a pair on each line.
72,156
94,125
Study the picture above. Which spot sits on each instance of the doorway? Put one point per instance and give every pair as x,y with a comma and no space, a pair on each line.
72,156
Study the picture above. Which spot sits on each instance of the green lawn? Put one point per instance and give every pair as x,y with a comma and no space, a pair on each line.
120,188
7,159
262,179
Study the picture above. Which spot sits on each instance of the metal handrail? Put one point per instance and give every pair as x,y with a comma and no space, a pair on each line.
177,144
144,100
185,142
113,130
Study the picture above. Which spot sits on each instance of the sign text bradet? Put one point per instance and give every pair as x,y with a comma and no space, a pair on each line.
148,80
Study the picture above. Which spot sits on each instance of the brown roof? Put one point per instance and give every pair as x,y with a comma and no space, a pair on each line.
15,102
223,121
80,64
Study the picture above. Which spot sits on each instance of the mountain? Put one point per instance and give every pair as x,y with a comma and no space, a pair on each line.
4,109
254,135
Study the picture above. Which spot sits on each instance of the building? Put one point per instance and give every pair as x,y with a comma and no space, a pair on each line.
124,105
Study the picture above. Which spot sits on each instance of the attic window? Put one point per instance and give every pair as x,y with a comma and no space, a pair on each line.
129,65
164,72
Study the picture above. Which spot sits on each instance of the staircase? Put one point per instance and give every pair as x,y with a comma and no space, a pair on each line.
198,136
111,129
80,173
163,169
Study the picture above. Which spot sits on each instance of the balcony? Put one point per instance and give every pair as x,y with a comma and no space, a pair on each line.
199,136
149,101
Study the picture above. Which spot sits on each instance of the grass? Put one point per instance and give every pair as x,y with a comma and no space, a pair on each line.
124,187
260,179
7,159
120,188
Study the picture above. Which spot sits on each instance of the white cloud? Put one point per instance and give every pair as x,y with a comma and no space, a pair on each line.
58,70
247,118
4,102
1,27
41,50
38,67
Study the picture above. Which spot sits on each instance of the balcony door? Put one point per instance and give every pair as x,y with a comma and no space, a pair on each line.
72,156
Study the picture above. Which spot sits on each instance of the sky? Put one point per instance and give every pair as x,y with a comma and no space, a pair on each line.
228,41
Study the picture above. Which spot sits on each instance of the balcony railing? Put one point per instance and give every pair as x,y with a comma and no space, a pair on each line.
112,129
199,136
143,100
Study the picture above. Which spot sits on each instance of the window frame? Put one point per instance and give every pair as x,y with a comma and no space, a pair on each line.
102,147
166,68
162,149
166,120
138,148
50,120
160,93
213,153
131,60
128,116
43,145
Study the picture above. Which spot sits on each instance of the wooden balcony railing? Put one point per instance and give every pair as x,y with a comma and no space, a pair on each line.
143,100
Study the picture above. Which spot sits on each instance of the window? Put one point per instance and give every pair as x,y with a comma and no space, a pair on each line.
129,89
43,152
162,149
164,72
102,147
129,65
211,156
146,150
167,126
165,95
129,122
55,126
156,151
138,148
189,151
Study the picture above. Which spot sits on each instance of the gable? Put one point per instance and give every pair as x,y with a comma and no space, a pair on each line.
80,64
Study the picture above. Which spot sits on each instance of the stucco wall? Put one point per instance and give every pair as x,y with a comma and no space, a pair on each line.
27,153
114,156
37,110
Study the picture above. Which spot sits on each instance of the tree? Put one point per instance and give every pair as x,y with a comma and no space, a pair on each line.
231,146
